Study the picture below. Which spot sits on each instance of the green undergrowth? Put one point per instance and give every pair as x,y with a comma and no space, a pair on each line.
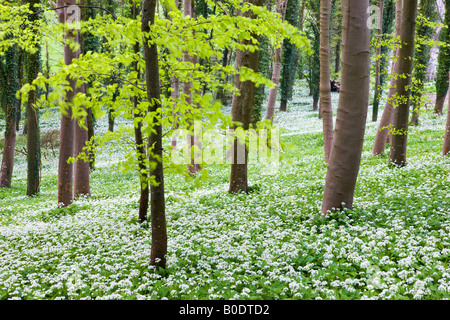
272,243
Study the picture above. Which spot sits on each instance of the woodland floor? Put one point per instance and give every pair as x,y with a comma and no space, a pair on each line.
270,244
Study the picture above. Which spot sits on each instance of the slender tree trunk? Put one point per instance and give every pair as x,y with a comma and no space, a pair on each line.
81,184
110,5
378,63
90,43
193,167
290,57
388,21
143,176
446,145
175,94
345,156
140,147
241,111
157,202
81,168
386,118
270,111
403,85
325,87
301,24
314,61
33,137
67,132
91,133
110,121
20,81
47,69
337,61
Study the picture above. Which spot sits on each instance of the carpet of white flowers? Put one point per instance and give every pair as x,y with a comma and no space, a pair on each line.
270,244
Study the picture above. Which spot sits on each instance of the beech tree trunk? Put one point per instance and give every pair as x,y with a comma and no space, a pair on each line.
33,137
403,84
90,43
139,139
157,202
81,168
446,145
387,116
241,111
270,111
443,63
345,156
67,132
193,167
325,86
81,184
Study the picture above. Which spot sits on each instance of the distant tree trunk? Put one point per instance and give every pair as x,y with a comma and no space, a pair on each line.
111,119
241,110
386,117
67,132
47,70
91,134
33,136
157,202
175,94
270,111
110,6
442,83
300,26
337,61
193,167
221,95
314,59
289,57
446,145
378,62
21,60
345,156
302,15
264,69
424,33
325,87
388,22
403,85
